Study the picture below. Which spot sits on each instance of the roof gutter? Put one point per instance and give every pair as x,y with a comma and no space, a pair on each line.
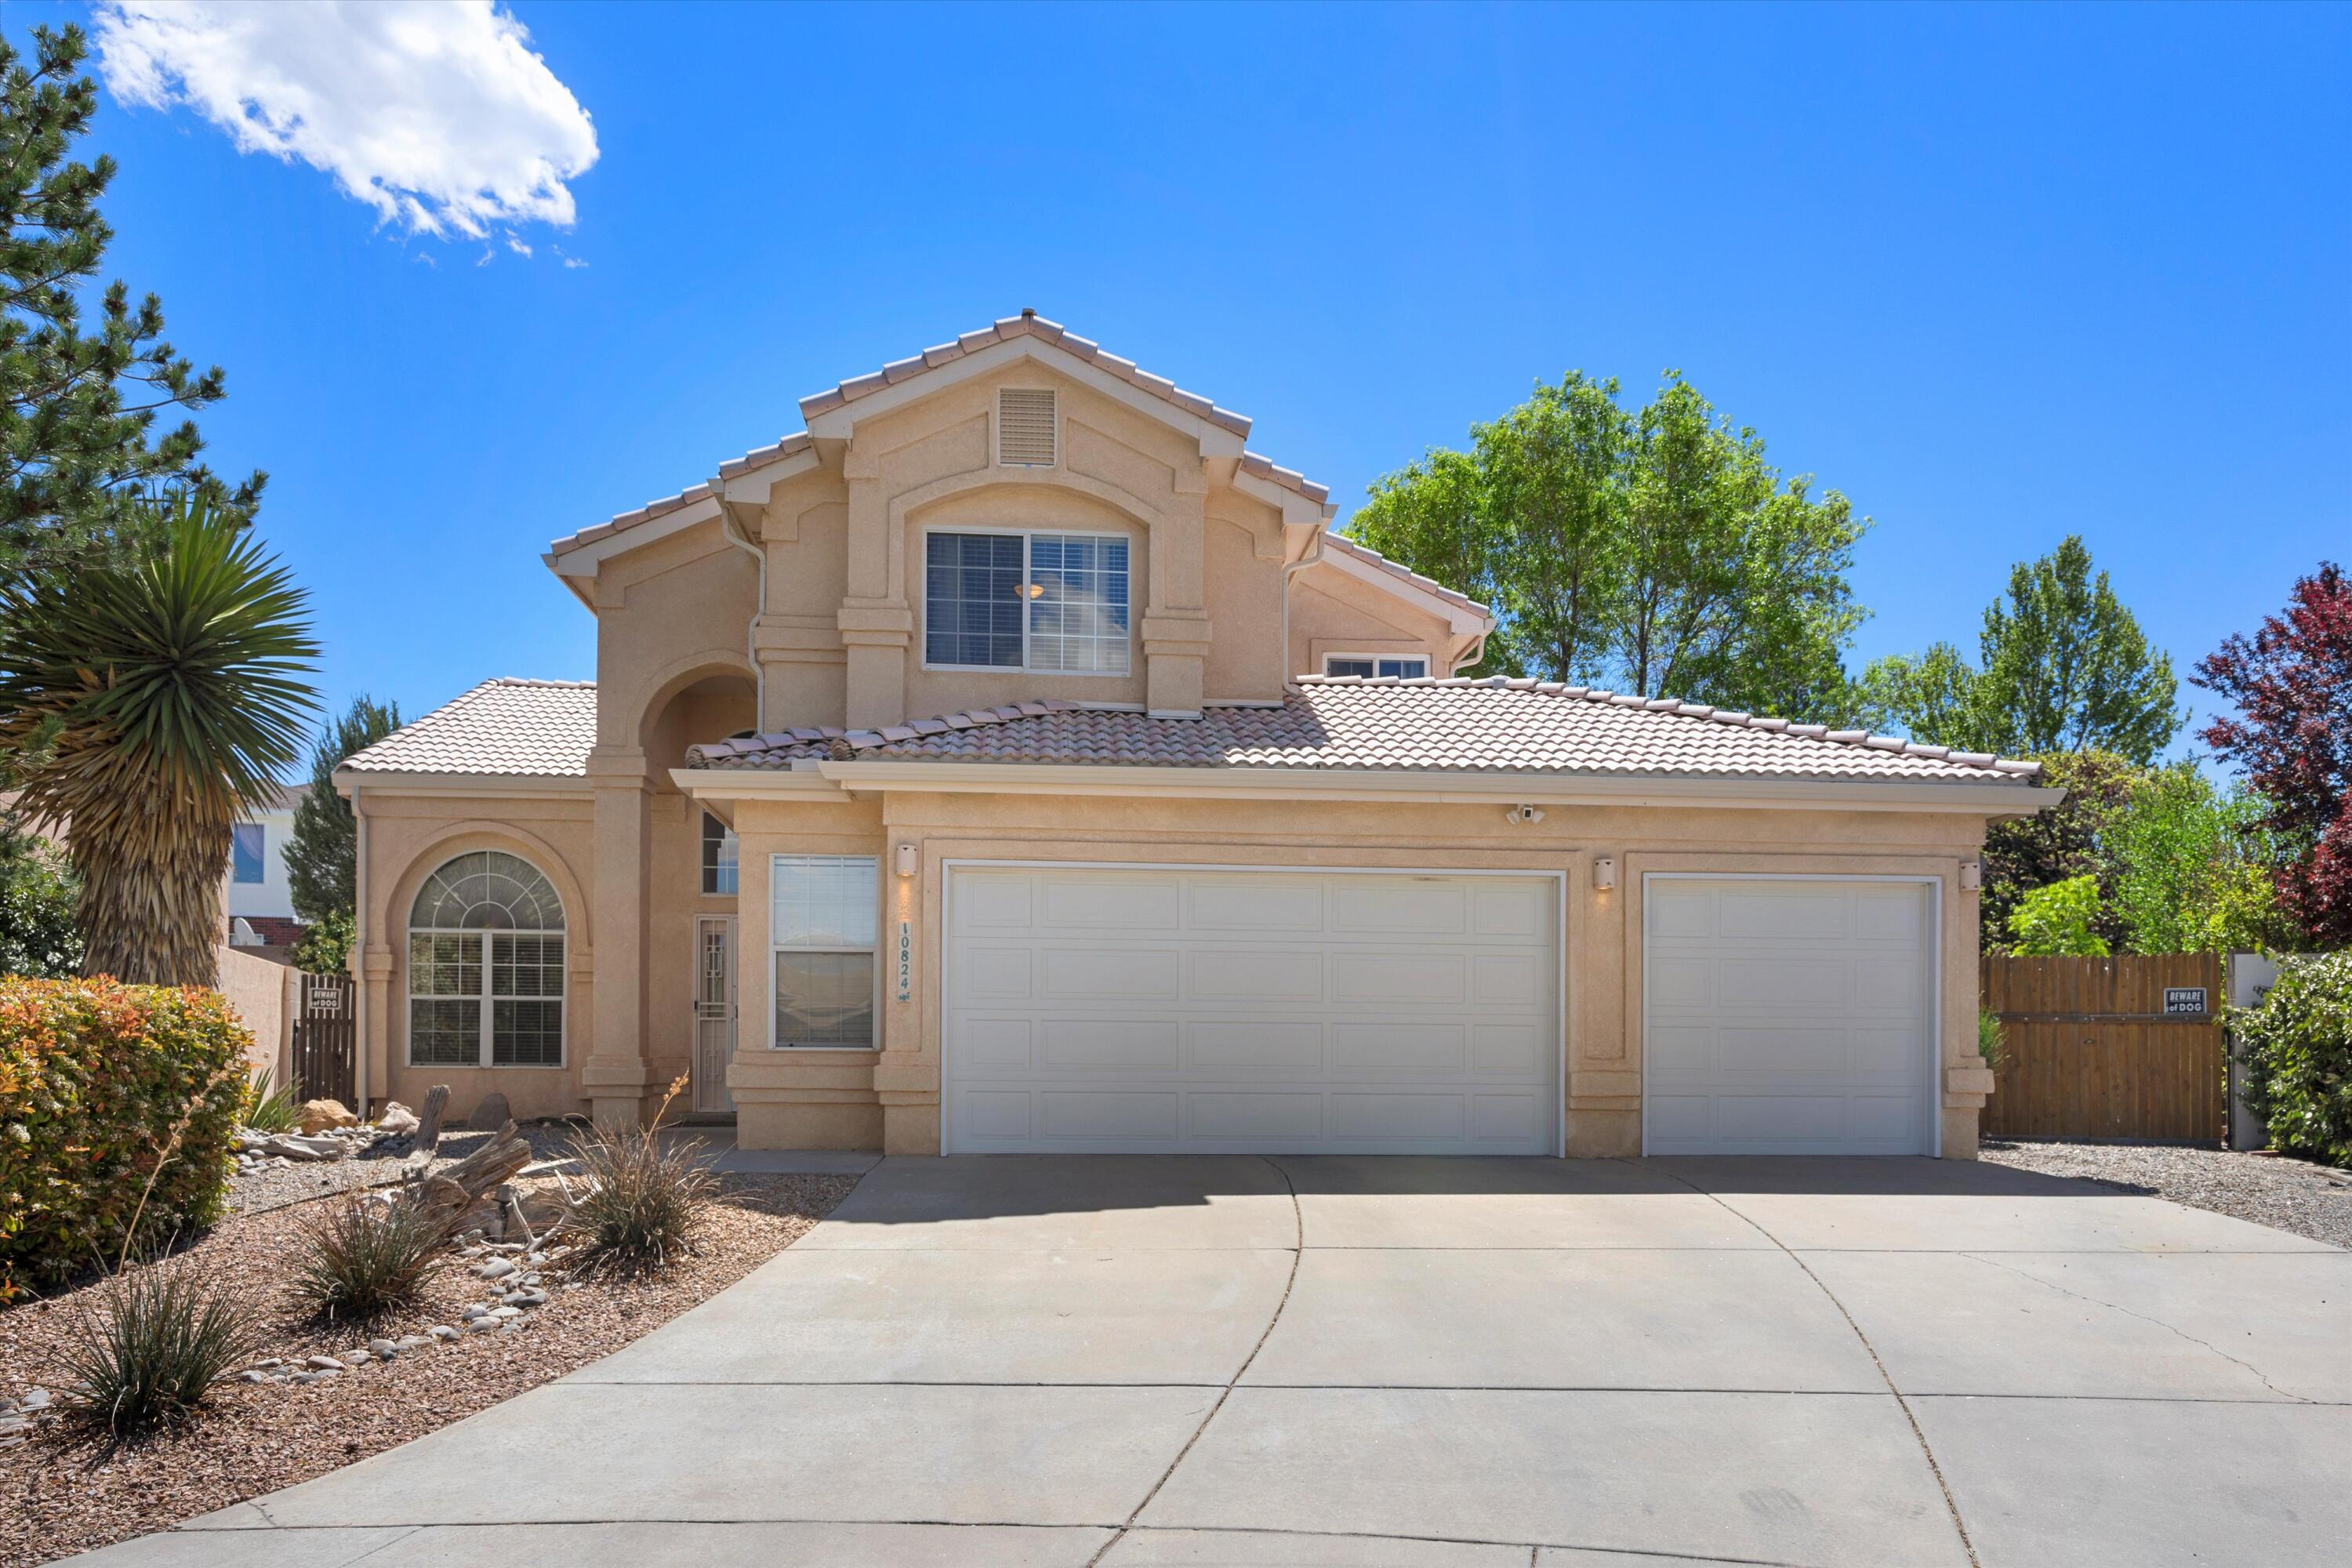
808,779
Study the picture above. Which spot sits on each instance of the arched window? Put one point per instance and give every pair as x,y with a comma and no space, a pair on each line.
486,965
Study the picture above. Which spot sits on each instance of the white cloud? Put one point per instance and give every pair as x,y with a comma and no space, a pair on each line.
518,246
434,112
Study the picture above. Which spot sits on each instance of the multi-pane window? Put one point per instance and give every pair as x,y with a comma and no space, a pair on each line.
246,849
1370,668
820,925
485,966
718,856
1047,602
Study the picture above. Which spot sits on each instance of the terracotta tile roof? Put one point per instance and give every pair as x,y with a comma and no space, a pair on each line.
1365,553
757,457
896,371
526,727
1497,725
1026,325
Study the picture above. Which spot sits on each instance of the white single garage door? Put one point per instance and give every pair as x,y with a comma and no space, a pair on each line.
1788,1016
1151,1010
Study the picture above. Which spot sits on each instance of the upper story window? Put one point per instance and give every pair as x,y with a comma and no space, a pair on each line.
246,843
718,856
1047,602
1373,668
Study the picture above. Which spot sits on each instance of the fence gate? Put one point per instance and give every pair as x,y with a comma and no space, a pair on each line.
2120,1047
325,1035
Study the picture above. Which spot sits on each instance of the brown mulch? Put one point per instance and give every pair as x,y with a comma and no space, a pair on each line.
61,1493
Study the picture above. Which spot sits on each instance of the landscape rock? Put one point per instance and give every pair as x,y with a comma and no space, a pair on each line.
496,1269
491,1114
396,1119
480,1325
381,1347
524,1298
322,1364
443,1332
319,1115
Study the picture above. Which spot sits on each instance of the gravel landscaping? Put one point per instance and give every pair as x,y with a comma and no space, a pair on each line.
2268,1189
62,1493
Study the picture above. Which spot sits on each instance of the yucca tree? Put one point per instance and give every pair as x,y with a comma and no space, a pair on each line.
148,704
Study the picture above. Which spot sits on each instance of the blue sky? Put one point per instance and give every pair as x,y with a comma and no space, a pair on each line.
1997,274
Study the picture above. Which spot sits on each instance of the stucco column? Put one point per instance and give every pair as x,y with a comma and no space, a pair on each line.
1176,633
906,1073
615,1077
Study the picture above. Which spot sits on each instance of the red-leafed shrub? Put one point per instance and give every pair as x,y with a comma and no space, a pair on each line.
118,1106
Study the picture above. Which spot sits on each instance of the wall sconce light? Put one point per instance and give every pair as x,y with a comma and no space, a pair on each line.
1524,813
906,859
1972,875
1604,872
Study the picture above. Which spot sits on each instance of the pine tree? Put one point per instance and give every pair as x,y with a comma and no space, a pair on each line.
79,450
323,861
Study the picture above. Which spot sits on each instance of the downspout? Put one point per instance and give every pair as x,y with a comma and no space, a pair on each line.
759,605
358,960
1313,553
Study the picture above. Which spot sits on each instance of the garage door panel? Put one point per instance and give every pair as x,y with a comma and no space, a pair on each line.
1075,1114
1088,904
1256,1047
1406,978
1277,906
1408,908
1288,1012
994,973
1365,1049
1109,1045
1253,974
1088,975
1784,1016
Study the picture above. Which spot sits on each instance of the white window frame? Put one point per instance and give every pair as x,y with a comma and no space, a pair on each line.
489,999
873,951
1374,659
260,854
731,858
1026,535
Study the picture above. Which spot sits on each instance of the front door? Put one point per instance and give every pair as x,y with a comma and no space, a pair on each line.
714,1012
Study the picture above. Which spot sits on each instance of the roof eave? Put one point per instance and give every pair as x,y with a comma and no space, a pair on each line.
1992,796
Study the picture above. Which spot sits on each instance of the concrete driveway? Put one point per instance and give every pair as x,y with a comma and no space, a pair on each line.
1426,1363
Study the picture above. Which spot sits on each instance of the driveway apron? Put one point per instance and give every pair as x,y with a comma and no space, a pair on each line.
1428,1364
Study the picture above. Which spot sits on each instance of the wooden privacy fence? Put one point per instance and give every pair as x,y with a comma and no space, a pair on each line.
325,1033
2109,1048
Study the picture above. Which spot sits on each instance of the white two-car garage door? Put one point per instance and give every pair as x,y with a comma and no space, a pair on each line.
1142,1010
1787,1015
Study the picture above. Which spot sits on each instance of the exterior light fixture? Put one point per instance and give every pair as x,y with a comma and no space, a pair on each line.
1604,872
906,859
1524,813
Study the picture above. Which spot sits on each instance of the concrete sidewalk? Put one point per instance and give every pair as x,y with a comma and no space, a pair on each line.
1147,1362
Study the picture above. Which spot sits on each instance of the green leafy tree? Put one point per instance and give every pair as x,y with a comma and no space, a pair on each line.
2059,921
37,892
80,451
153,701
1654,551
2064,841
2064,666
321,861
326,945
2187,866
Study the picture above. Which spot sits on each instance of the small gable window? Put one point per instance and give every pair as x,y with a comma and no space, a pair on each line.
1373,668
1052,602
1024,427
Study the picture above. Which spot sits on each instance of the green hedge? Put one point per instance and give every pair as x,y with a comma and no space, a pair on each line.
2298,1055
94,1076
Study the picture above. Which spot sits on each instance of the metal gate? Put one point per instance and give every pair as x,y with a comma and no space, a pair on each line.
325,1035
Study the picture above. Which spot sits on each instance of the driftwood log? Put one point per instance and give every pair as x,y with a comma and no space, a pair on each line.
452,1195
428,1121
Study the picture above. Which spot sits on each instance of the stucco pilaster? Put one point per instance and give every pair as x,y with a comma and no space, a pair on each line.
615,1078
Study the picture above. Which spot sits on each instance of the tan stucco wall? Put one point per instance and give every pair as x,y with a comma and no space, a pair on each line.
853,1100
1332,611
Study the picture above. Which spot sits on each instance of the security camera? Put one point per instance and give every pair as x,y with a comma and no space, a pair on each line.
1524,813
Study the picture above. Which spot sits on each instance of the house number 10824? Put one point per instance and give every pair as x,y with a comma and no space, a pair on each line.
906,959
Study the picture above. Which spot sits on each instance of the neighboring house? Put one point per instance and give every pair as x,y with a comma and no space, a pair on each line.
259,903
1013,761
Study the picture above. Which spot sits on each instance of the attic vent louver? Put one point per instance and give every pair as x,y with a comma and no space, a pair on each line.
1024,427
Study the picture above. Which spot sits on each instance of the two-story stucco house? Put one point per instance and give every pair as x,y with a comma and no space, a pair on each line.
1012,759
